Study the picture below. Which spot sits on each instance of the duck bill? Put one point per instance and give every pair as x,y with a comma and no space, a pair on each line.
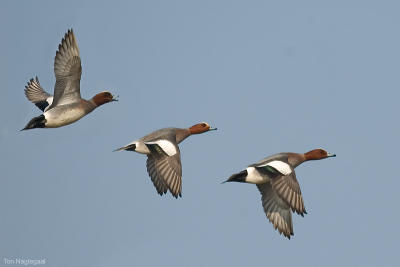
212,129
331,155
115,98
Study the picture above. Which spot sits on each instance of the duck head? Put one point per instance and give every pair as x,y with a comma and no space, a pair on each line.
201,128
317,154
103,98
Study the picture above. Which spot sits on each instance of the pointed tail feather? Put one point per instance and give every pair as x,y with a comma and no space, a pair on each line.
130,147
238,177
37,122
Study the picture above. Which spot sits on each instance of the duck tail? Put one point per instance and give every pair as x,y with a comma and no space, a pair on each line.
130,147
238,177
37,122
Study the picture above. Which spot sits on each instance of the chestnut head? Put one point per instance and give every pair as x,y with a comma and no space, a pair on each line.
317,154
103,98
201,128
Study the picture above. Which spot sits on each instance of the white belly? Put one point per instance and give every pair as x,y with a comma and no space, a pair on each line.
57,118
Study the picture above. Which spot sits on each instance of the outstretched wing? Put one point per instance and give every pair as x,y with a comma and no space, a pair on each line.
164,167
277,211
35,93
68,70
287,187
285,184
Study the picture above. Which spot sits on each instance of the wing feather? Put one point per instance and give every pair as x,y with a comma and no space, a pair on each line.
37,95
159,184
277,211
68,71
165,171
287,187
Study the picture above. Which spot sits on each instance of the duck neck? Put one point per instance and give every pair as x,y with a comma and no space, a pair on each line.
296,159
182,134
91,105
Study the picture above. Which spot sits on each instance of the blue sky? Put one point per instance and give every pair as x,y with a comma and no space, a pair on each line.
272,76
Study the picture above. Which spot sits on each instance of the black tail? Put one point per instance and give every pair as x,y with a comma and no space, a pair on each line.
238,177
37,122
131,147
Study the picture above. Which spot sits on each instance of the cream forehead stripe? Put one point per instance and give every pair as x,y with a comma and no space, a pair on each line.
281,166
166,146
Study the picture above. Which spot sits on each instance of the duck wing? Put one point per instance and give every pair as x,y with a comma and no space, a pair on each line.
37,95
287,187
164,167
277,211
68,71
284,183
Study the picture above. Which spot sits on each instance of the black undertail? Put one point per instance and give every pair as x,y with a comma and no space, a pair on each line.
238,177
131,147
127,148
37,122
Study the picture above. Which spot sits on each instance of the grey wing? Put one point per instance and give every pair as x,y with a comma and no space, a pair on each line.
165,171
35,93
159,184
287,187
280,156
277,211
68,70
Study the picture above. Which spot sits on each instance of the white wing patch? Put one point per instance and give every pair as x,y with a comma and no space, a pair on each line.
281,166
50,101
166,146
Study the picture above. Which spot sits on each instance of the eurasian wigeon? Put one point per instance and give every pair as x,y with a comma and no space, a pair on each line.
276,179
66,106
163,155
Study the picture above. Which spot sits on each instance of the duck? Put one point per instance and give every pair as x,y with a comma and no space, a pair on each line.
66,106
164,157
280,191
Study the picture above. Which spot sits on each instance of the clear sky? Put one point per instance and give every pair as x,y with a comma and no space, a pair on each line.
273,76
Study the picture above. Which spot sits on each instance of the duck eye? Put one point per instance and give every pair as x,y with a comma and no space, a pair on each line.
203,125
